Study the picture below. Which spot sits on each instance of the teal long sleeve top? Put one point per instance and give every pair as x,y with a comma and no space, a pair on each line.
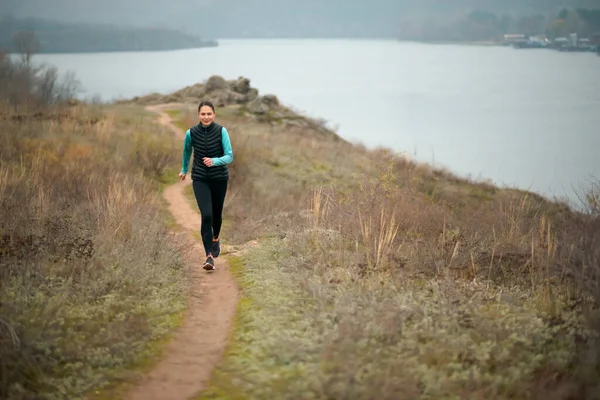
227,157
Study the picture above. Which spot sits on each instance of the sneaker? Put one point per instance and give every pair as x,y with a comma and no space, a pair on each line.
209,264
216,248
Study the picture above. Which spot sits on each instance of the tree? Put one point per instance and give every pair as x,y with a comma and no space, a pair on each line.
591,21
27,45
506,23
563,14
532,25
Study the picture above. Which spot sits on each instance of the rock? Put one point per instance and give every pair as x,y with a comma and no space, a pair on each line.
220,98
238,92
258,106
196,91
264,104
278,115
215,82
271,100
242,85
236,98
252,94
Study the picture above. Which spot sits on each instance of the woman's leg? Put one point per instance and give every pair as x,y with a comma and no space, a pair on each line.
202,192
218,192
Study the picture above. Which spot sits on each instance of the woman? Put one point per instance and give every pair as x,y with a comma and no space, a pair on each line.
210,144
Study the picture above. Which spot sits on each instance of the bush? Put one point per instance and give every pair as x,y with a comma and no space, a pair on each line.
387,294
89,275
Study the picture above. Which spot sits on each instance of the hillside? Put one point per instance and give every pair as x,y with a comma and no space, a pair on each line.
379,277
363,274
53,37
271,18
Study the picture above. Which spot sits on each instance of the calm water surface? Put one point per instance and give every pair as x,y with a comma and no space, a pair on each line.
523,118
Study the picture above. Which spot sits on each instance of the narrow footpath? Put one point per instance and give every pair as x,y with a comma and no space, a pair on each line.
199,343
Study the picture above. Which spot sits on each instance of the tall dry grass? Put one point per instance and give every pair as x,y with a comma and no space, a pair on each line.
382,294
89,276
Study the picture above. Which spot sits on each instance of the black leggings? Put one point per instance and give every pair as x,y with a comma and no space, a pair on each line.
210,196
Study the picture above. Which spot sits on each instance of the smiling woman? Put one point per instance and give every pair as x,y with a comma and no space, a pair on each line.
210,144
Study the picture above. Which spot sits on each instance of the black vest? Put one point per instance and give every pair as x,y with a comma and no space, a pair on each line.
207,142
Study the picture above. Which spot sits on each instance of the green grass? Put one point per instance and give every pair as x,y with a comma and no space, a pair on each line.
304,332
168,177
125,379
178,118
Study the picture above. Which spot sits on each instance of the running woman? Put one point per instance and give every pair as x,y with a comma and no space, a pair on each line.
212,151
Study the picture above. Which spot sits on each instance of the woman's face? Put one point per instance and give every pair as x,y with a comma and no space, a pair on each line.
206,115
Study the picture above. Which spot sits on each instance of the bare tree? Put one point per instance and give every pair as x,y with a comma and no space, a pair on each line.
27,44
69,87
47,85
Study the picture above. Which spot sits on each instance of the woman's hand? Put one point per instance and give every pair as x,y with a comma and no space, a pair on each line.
207,161
181,176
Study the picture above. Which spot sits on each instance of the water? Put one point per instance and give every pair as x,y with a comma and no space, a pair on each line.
521,118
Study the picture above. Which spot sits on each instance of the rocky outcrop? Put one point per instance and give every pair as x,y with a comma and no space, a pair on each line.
216,89
240,93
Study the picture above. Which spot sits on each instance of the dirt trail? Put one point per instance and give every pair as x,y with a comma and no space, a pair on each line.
199,344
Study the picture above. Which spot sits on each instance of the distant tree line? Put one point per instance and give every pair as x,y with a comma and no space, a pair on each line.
480,25
73,38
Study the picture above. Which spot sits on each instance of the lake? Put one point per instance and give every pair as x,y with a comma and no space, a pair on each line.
521,118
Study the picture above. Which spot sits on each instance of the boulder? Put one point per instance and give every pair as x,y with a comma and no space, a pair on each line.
220,98
257,106
251,95
196,91
242,85
236,98
215,82
271,100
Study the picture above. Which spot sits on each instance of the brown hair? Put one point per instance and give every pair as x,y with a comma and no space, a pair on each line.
206,103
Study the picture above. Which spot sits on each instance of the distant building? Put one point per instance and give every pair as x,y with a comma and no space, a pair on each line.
511,38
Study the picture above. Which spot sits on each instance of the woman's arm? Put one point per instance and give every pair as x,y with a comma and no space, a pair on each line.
187,152
227,150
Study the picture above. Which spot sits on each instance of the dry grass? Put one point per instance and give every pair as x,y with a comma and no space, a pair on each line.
310,330
356,306
379,277
89,278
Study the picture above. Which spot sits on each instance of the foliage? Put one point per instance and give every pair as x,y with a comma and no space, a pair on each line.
73,38
89,276
483,25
